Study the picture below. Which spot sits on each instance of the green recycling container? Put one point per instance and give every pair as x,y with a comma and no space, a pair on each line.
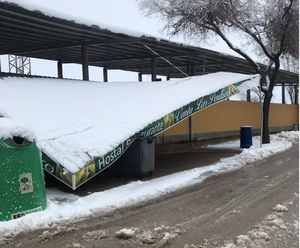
22,185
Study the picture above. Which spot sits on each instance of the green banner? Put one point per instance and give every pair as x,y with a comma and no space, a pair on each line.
100,164
57,170
189,109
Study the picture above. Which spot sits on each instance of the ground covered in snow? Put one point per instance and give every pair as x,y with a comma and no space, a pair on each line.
277,229
67,207
249,206
88,119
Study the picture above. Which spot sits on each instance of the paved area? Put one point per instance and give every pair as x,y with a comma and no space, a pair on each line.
256,206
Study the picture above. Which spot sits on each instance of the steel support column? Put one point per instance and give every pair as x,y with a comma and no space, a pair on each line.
140,77
296,95
283,93
153,69
85,62
59,69
105,74
248,95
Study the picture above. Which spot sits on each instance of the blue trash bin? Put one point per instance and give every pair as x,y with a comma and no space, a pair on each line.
246,136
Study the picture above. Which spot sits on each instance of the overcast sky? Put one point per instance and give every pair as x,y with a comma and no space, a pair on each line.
119,13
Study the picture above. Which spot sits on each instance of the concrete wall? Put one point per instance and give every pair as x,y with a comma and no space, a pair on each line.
225,119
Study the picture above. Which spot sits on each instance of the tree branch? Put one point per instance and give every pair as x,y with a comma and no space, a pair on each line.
258,40
288,9
283,37
217,30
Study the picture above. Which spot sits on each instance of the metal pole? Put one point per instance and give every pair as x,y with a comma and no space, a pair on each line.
153,69
140,77
248,95
283,93
59,69
297,103
85,62
105,74
262,117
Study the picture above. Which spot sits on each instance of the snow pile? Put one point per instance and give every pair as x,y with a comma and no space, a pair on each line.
160,236
264,234
291,136
126,233
280,208
73,207
10,128
75,121
146,237
96,235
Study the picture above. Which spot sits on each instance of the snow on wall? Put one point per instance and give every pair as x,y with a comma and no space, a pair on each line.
75,121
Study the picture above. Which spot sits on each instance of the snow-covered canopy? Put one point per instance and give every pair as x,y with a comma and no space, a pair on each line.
75,121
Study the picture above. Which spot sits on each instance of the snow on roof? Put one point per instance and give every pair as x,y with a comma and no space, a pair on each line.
92,23
75,121
10,128
83,21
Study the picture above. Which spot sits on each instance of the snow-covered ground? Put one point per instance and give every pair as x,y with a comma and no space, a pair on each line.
76,121
273,230
235,144
67,207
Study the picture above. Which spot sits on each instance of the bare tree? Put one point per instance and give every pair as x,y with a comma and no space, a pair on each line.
272,25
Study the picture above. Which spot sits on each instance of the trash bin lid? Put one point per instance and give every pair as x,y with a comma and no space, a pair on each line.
10,128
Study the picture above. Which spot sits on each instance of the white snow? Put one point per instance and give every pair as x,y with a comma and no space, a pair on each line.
264,234
292,136
67,207
125,233
50,12
75,121
10,128
167,236
79,20
280,208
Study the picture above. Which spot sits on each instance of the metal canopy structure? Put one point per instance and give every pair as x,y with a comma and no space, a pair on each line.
34,34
